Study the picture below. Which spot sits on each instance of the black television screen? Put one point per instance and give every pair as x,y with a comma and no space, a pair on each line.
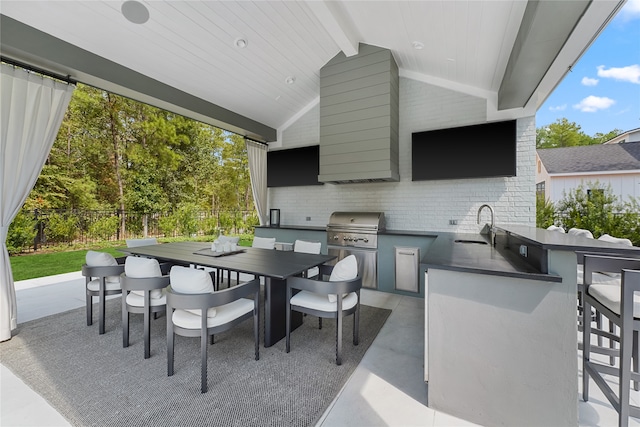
478,151
293,167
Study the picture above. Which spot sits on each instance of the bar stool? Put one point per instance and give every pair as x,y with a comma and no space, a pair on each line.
620,306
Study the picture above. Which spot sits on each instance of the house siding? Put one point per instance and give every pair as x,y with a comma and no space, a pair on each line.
624,186
421,205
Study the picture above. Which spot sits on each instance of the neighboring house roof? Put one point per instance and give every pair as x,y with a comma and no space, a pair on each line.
632,135
591,158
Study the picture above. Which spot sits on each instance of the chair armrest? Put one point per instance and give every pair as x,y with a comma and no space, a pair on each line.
608,264
325,287
209,300
102,271
143,283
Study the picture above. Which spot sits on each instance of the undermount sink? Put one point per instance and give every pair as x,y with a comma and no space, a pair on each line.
477,242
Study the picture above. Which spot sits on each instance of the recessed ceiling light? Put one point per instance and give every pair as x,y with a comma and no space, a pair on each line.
241,43
135,11
451,60
290,80
417,45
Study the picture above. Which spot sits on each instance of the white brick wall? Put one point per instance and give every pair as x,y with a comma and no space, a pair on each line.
423,205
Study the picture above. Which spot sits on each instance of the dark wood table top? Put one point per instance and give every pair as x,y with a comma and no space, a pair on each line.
260,262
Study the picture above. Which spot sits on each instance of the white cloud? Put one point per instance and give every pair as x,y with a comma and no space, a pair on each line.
591,104
626,74
589,81
630,11
558,107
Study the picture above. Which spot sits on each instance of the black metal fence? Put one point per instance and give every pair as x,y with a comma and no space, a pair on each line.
56,226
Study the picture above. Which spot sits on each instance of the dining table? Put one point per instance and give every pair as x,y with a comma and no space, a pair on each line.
274,265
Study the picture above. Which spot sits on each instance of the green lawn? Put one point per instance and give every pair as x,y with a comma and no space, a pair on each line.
47,264
30,266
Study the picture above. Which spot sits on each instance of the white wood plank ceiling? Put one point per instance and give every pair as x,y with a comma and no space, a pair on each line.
191,45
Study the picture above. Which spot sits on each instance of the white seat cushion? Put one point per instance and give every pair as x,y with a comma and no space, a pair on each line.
264,242
226,313
94,285
609,296
320,302
611,239
102,259
555,228
140,268
345,269
307,247
580,232
137,300
134,243
599,278
187,280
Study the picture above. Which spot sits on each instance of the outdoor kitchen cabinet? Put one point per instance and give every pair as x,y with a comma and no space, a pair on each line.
387,241
500,325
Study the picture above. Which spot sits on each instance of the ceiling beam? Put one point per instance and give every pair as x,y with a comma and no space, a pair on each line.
337,24
30,46
545,28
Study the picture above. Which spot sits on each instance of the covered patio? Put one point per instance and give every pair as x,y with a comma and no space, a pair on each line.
262,69
385,389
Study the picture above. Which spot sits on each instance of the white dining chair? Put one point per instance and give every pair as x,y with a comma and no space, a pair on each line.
308,247
264,242
195,310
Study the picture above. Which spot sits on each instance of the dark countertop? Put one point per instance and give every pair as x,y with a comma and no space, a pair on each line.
563,241
447,254
294,227
324,228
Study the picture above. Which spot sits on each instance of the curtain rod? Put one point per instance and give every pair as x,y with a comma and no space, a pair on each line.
66,79
257,142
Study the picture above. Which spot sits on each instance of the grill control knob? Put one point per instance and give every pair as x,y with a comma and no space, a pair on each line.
366,240
335,237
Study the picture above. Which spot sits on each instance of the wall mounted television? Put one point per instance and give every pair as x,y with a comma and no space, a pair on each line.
293,167
477,151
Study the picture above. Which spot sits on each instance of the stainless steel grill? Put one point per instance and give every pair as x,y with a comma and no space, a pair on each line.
356,233
357,229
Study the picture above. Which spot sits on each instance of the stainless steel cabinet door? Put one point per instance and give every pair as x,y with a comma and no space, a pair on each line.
367,263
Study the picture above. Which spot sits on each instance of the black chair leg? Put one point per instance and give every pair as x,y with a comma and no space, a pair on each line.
203,362
170,338
339,340
147,333
356,326
319,322
101,305
89,310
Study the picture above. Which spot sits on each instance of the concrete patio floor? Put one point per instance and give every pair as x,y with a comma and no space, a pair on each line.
386,389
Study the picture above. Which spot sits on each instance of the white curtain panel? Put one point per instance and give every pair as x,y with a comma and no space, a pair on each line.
32,108
257,155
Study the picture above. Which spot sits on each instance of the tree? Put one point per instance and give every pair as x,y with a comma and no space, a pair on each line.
560,133
114,153
563,133
597,210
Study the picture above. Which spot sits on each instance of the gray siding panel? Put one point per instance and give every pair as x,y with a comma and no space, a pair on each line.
359,99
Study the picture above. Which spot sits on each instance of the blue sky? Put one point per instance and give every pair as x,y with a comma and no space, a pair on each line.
602,92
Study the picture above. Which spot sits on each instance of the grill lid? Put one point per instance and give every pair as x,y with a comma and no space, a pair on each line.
364,221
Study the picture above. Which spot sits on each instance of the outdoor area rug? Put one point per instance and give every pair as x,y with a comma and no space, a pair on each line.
92,380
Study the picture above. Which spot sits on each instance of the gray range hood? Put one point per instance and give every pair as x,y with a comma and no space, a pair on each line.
359,118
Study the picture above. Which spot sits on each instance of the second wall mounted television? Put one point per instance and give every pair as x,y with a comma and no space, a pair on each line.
293,167
478,151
